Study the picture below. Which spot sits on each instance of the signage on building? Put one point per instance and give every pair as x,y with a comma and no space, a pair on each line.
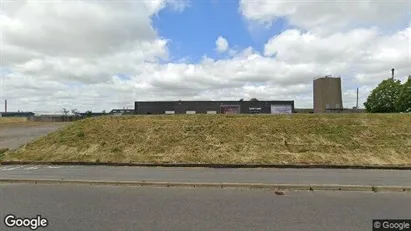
254,109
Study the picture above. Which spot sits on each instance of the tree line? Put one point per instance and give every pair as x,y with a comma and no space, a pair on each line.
390,96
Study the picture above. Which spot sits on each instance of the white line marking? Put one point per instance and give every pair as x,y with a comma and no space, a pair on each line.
30,168
10,168
53,166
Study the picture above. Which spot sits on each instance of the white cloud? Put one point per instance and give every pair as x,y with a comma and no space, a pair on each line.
72,55
329,15
221,44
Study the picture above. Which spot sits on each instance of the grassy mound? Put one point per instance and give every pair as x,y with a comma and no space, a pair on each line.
370,139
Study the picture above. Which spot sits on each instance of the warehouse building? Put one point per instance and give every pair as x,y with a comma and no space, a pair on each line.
214,107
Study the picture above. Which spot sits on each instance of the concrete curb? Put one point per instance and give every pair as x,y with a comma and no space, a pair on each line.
297,166
290,187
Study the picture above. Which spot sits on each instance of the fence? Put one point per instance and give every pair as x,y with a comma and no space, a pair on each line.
44,118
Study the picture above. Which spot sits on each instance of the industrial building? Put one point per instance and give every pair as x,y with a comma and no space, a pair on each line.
16,114
328,95
121,112
214,107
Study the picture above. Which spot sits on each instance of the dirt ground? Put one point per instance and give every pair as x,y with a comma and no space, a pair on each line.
13,136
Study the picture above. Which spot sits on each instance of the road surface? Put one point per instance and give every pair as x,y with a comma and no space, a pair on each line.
99,208
13,136
209,175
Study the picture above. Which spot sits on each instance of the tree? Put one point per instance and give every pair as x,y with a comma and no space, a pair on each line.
65,111
89,113
403,103
104,111
383,99
254,99
74,111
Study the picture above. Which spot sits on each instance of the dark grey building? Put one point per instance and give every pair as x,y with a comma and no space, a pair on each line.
213,107
91,114
16,114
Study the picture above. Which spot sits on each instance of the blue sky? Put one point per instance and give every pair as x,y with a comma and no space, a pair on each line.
194,31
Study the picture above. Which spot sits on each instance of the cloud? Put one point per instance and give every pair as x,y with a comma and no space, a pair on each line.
331,15
74,54
221,44
363,55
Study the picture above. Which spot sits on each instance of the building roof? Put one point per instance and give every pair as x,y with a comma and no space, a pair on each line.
328,77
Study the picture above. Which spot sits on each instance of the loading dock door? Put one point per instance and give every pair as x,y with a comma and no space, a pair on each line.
281,109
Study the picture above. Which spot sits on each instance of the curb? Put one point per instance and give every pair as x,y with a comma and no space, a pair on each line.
297,166
291,187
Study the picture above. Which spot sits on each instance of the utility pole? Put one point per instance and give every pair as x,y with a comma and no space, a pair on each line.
356,107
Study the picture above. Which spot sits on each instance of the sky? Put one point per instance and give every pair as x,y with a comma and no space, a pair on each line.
104,54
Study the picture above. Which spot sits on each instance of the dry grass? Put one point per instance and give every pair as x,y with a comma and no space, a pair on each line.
12,120
17,122
370,139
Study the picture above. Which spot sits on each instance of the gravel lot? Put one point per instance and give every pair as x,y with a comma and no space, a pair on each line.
13,136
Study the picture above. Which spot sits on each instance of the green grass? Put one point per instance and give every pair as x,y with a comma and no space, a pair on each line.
369,139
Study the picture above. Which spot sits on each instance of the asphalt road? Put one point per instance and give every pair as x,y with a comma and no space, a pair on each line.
209,175
102,208
13,136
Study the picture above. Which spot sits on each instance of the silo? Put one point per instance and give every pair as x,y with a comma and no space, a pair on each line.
327,95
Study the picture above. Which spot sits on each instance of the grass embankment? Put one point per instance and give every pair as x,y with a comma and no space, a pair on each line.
369,139
12,120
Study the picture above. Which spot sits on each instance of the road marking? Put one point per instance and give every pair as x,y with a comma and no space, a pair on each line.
53,166
30,168
9,168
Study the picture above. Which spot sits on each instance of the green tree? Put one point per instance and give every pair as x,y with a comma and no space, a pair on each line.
89,113
403,103
384,98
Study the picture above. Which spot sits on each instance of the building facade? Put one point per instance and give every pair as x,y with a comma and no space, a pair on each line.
118,112
327,95
16,114
214,107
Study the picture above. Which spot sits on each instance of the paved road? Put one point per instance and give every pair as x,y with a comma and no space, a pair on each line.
208,175
14,136
102,208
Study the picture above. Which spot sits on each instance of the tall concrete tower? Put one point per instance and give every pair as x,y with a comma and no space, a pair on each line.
327,95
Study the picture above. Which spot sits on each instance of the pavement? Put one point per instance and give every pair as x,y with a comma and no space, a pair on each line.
13,136
209,175
99,208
